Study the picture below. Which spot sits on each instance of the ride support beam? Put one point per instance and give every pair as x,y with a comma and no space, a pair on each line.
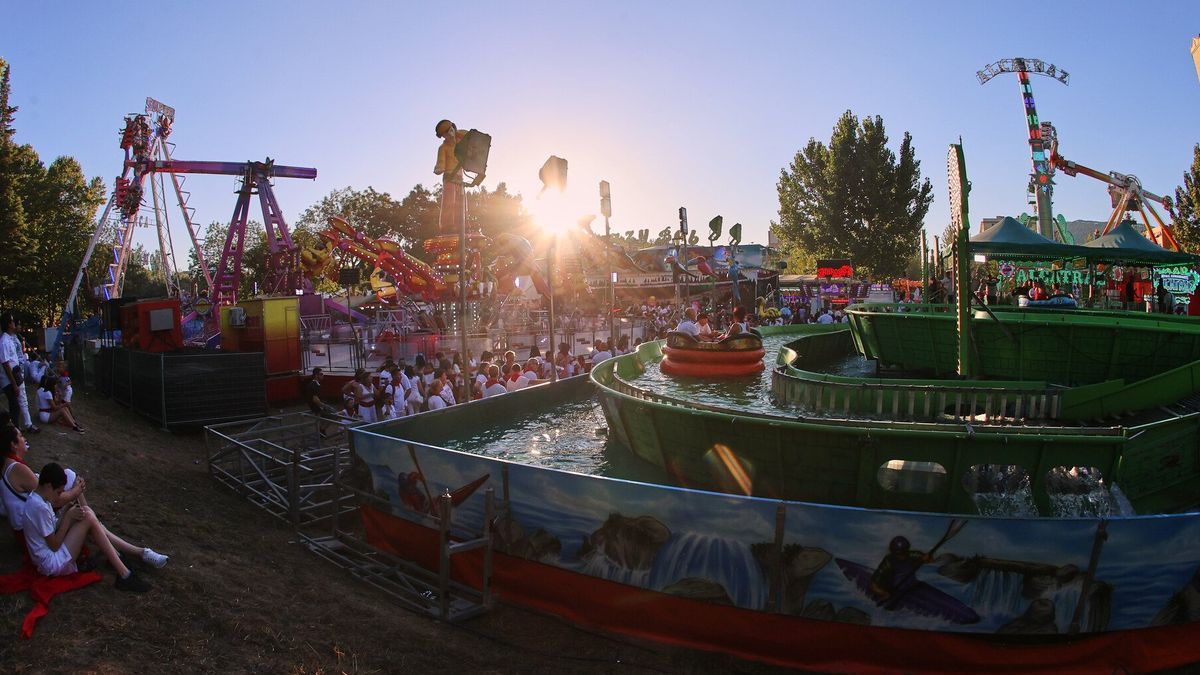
231,168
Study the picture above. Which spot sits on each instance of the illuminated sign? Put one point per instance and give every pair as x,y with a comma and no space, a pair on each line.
1177,280
834,268
1022,273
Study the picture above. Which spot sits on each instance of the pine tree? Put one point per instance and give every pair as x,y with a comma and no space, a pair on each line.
1187,206
854,198
14,247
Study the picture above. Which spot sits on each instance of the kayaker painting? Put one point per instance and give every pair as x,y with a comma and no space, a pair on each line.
894,584
897,572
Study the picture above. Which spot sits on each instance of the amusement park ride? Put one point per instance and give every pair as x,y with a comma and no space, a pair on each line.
1125,190
148,161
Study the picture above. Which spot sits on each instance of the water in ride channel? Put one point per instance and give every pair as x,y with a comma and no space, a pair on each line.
575,439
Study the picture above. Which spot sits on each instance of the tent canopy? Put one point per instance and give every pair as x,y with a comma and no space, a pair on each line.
1123,245
1010,237
1128,245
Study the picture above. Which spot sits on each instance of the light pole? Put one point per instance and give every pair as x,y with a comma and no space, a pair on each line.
553,175
553,346
606,211
683,228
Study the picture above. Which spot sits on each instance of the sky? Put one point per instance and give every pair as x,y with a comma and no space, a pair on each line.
695,104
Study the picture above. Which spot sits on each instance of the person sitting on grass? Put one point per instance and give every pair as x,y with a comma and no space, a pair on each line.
50,409
54,544
17,481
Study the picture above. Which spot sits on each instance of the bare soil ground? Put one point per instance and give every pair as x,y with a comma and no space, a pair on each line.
239,596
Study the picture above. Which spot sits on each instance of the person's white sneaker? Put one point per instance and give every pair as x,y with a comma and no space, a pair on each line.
153,558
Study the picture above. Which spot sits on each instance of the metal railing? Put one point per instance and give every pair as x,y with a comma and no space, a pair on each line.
301,469
283,464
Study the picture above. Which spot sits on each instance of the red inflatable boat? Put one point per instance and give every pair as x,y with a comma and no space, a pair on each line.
735,356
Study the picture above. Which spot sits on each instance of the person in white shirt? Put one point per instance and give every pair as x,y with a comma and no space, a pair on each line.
412,393
54,544
513,380
601,353
825,319
364,396
688,324
385,374
492,385
12,377
387,410
52,410
436,401
705,328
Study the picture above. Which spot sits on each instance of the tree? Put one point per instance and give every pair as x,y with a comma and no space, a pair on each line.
60,204
16,251
1187,206
854,198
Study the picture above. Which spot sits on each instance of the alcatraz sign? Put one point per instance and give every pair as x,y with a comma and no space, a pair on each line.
1021,274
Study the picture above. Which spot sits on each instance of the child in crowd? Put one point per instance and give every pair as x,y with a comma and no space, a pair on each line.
51,409
387,407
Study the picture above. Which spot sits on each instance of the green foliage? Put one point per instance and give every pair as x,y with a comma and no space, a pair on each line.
414,218
60,204
854,198
1187,206
13,162
45,222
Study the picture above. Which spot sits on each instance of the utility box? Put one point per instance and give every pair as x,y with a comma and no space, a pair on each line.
270,326
152,325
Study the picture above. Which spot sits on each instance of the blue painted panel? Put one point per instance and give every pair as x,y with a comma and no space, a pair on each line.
1006,575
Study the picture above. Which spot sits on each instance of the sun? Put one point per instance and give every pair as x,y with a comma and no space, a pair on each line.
555,213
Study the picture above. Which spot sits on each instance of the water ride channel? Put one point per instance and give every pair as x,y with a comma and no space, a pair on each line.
791,515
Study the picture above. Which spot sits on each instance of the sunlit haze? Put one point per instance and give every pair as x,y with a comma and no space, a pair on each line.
676,104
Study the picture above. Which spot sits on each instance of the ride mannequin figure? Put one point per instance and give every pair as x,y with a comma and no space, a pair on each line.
450,220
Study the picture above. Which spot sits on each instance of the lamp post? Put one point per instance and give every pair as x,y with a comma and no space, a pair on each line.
683,227
606,211
553,346
465,392
553,174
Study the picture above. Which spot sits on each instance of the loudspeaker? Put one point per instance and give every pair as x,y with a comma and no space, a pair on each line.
349,276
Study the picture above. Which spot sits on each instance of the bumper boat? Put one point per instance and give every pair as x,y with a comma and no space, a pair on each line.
735,356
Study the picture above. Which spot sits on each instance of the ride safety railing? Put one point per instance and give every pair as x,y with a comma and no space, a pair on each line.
988,402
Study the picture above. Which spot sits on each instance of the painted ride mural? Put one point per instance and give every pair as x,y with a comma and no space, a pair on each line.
910,570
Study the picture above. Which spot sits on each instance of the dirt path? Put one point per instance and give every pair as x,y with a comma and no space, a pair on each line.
238,596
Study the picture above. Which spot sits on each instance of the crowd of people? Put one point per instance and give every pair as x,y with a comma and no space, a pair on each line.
400,389
21,367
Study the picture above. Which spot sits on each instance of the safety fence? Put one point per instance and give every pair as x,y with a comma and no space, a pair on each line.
302,470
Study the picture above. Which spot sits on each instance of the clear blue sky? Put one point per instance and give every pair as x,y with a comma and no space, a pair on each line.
695,104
